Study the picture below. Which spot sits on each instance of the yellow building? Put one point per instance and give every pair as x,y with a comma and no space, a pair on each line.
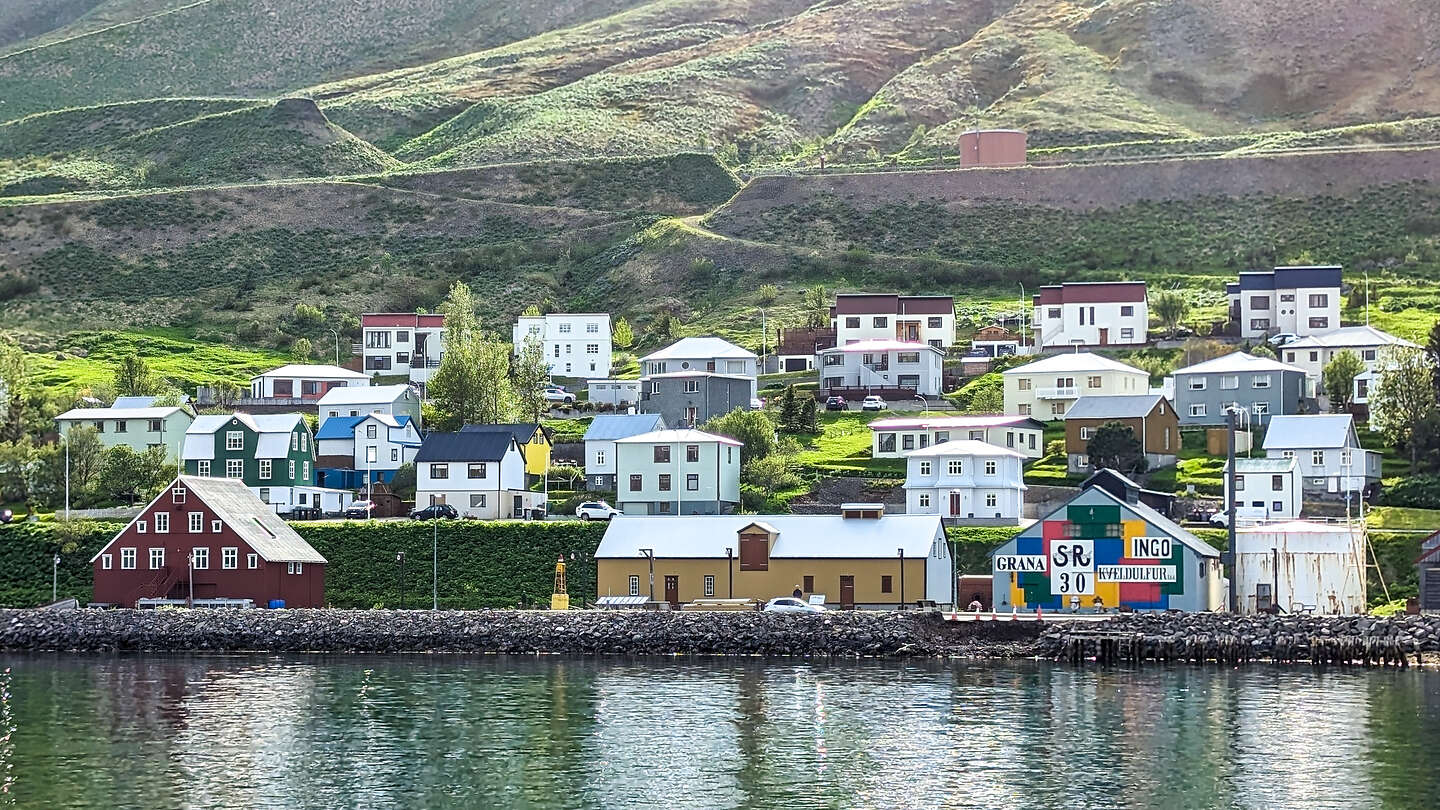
533,439
859,558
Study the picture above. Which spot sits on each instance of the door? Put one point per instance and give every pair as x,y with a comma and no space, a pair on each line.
519,506
672,590
956,506
1104,336
847,592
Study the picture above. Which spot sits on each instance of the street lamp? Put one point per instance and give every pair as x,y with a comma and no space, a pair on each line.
901,552
400,558
55,579
336,333
434,565
65,437
924,403
730,568
650,555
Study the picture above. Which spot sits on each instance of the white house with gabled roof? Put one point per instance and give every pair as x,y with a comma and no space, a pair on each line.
1327,451
1047,388
893,437
677,472
966,481
709,354
303,381
1314,352
576,344
892,369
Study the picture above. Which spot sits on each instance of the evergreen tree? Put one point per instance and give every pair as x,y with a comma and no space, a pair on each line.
622,335
809,416
1114,446
790,411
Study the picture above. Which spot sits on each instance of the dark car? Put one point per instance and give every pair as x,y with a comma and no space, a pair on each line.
435,511
836,404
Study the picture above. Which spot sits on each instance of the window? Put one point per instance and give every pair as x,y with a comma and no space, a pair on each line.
1127,333
1259,302
1367,355
162,522
477,500
852,323
1197,383
370,431
1084,434
991,500
635,483
592,348
1319,323
305,476
1344,458
1239,483
924,468
234,440
1127,310
1287,454
155,426
664,507
1314,357
264,494
202,468
1093,382
1290,357
294,568
661,454
880,321
1259,324
692,452
1317,458
252,561
177,495
377,339
955,467
1260,381
1277,506
140,527
634,585
264,469
121,426
692,386
990,468
216,526
1277,483
1260,408
1057,409
197,522
664,482
100,427
885,584
127,559
201,557
290,469
1197,409
1229,382
692,482
1053,312
1023,384
235,467
1287,298
157,559
934,323
907,357
439,471
1024,409
1319,300
105,562
294,442
709,584
942,436
924,500
229,558
475,469
1167,438
402,336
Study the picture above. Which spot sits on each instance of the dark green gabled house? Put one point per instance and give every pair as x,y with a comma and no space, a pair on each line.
274,454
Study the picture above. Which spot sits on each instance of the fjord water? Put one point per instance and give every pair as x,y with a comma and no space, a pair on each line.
131,731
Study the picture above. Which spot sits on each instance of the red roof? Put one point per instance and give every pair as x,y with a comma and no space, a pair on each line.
877,304
1092,292
410,319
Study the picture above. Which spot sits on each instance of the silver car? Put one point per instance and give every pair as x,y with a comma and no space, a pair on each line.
789,604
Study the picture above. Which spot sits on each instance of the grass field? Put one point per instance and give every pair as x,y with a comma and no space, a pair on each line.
179,359
1400,517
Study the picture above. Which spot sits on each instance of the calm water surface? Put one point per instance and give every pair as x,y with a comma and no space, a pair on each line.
438,731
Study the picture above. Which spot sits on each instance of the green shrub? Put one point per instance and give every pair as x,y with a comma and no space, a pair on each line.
1415,491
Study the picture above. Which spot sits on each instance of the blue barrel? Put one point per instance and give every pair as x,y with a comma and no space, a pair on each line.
276,604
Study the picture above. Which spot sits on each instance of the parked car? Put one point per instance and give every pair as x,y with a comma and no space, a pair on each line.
872,403
836,404
557,394
435,511
359,509
1243,515
596,510
757,403
789,604
1281,338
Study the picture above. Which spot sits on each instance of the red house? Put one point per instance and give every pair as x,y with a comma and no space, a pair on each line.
215,536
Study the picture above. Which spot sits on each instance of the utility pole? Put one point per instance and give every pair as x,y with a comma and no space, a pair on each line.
730,568
901,551
650,555
55,579
1230,507
400,558
434,565
66,437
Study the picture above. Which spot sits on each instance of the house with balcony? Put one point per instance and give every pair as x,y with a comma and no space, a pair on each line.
1327,452
677,472
1149,416
576,344
1091,313
391,400
687,399
1263,387
890,369
300,384
966,482
895,437
600,438
1046,388
925,319
796,348
1286,300
138,428
708,354
273,454
1270,484
480,473
1313,353
354,450
402,343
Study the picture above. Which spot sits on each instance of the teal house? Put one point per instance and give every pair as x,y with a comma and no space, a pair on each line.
139,428
274,454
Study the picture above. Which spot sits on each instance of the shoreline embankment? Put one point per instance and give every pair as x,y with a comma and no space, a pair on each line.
1167,638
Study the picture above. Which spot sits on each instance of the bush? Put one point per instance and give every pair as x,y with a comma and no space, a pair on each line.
1415,491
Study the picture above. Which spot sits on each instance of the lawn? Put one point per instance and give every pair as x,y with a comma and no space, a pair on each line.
1400,517
843,447
183,361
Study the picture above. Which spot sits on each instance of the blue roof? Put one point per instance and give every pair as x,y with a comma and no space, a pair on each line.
609,427
340,427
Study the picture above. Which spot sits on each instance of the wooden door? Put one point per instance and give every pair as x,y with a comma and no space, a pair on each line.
672,590
847,592
955,505
1104,336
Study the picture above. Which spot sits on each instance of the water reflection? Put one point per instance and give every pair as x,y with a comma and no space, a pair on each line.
436,731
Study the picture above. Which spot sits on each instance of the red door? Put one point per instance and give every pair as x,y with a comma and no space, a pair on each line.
955,505
1104,336
847,592
672,590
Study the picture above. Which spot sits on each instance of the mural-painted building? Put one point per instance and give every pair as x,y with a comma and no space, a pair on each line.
1099,551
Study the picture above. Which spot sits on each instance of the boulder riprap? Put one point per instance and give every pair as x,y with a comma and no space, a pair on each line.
836,633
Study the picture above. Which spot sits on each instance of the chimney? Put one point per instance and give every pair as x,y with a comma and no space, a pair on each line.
862,511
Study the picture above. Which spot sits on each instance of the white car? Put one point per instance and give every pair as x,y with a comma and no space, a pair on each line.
1282,338
596,510
559,395
872,403
789,604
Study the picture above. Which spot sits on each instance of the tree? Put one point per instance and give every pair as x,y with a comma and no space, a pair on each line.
15,460
1171,307
817,307
1263,350
472,384
809,416
127,474
532,372
1114,446
301,349
403,484
1338,378
666,327
226,392
790,411
14,389
1432,347
531,311
1403,396
753,428
133,378
622,335
47,480
1198,350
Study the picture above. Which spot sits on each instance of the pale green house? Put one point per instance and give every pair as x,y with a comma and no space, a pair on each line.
138,428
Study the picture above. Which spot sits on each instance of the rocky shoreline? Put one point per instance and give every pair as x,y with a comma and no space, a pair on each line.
1193,638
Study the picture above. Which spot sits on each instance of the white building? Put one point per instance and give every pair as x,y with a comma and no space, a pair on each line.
1313,353
299,381
481,474
1327,451
1047,388
377,443
600,438
887,368
894,437
1091,313
966,481
619,393
677,472
1301,567
402,343
391,400
576,344
927,319
710,354
1271,484
1287,300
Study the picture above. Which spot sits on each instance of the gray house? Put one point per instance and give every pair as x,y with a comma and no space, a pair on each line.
686,399
1261,386
600,438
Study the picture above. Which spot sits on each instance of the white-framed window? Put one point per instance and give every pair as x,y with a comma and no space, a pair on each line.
265,466
564,328
162,522
234,440
140,527
1229,382
1197,383
1127,334
197,522
105,562
955,466
229,558
1287,454
177,495
216,526
1198,409
692,386
1023,384
1260,381
924,500
1024,409
1317,458
294,442
1084,434
709,584
290,469
295,568
200,555
202,468
306,476
924,468
991,500
234,468
990,468
1094,381
599,456
127,559
1260,408
634,585
1345,458
252,561
157,558
304,442
1057,409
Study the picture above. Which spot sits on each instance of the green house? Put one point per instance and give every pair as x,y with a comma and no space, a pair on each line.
267,451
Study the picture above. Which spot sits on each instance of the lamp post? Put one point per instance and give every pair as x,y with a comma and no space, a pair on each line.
434,565
901,552
190,575
730,568
1022,313
1230,507
650,555
400,558
65,437
336,333
924,403
55,579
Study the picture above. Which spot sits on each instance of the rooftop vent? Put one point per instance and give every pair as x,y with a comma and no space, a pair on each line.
862,511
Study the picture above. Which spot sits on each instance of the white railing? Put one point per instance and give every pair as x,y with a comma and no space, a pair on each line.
1069,392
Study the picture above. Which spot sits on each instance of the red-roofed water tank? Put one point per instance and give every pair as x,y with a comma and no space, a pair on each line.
992,147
